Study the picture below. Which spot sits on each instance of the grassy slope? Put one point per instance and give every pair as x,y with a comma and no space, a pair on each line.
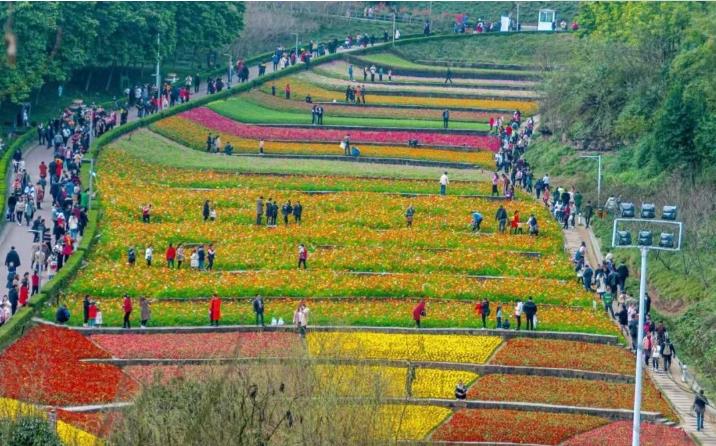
527,49
172,154
244,109
682,280
394,60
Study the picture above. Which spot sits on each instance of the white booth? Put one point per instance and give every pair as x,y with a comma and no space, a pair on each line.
546,18
504,23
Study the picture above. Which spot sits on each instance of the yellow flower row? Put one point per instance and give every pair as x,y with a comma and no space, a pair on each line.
300,89
410,423
405,347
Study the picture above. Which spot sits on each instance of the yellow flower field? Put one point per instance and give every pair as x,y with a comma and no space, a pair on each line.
194,135
411,422
390,381
300,89
406,347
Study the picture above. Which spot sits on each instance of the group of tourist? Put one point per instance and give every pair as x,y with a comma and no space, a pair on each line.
355,94
270,209
52,244
526,310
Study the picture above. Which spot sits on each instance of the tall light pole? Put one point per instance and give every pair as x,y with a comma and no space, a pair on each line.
231,68
622,239
393,28
518,16
430,15
159,79
599,175
296,34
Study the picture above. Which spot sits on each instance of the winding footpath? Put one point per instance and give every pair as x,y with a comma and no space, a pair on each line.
670,384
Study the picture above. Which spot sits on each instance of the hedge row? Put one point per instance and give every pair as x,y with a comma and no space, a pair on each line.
52,289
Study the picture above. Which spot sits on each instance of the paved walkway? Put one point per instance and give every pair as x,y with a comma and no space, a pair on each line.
679,394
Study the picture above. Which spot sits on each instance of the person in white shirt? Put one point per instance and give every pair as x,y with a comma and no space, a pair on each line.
545,180
300,318
444,183
518,313
148,254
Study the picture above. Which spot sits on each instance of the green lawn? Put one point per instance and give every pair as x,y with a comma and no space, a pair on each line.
166,152
243,109
527,49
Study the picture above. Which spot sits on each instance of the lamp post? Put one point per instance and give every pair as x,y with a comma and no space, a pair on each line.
599,172
393,28
231,69
296,34
622,239
159,79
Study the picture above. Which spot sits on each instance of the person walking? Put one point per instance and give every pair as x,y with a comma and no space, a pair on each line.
302,256
258,304
127,309
259,209
300,318
530,310
214,310
145,312
667,352
286,210
448,76
419,312
148,255
588,212
409,213
699,407
444,181
446,118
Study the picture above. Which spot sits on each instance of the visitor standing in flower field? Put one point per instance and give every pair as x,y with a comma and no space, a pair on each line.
475,221
210,257
171,255
148,255
460,391
444,181
297,212
448,76
530,310
518,313
259,209
85,310
214,310
302,256
146,213
446,118
258,304
501,217
145,311
419,312
409,214
286,210
180,255
127,309
206,210
131,256
300,318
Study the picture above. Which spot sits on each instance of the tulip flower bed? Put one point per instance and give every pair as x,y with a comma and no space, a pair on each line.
195,345
410,422
619,434
242,109
339,69
215,122
45,367
96,423
361,110
565,354
512,426
406,347
568,392
330,83
193,135
301,89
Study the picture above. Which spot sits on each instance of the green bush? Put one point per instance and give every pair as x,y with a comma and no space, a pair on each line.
27,431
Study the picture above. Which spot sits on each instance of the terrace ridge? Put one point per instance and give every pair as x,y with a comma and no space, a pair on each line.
506,334
364,159
377,129
480,369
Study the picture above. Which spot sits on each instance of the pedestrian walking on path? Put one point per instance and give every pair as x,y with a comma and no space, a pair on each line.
699,407
444,181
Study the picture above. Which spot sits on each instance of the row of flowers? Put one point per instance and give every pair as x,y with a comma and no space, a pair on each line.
568,392
194,135
367,110
45,367
513,426
619,433
565,354
216,122
300,89
407,347
359,312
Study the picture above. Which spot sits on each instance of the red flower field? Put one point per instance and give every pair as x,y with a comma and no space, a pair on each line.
214,121
97,423
196,345
619,434
513,426
44,367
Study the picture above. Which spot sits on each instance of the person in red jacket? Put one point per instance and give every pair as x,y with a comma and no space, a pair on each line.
171,255
419,312
43,169
35,281
24,294
127,308
92,313
214,310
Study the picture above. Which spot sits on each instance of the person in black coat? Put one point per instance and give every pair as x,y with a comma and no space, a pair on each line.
63,315
623,273
12,257
530,310
13,297
85,309
258,304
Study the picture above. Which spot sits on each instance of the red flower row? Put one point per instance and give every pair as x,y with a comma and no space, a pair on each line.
196,345
214,121
513,426
45,367
619,434
99,424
